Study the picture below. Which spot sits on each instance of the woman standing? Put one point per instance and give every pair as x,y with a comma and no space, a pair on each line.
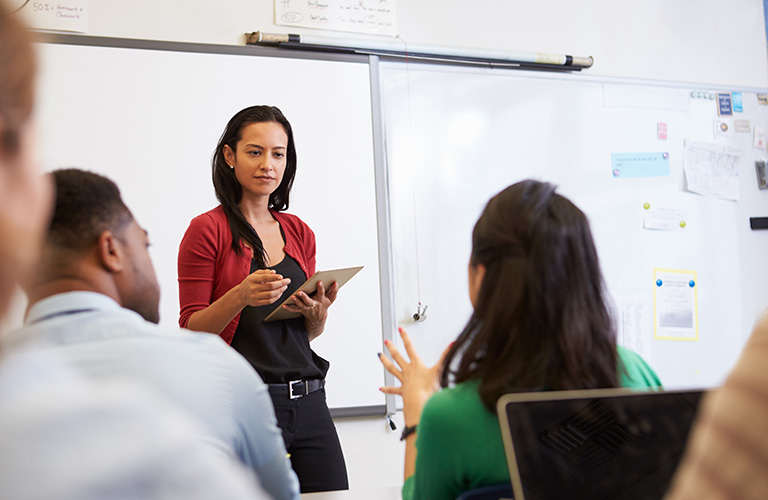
237,261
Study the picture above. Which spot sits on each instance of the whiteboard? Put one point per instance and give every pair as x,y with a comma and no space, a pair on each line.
150,120
457,136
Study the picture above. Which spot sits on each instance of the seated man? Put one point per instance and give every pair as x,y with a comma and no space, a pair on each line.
63,437
94,301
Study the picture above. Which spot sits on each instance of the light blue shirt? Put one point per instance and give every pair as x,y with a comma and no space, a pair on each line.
66,438
198,372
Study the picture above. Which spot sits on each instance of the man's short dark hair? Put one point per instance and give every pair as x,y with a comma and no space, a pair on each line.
87,204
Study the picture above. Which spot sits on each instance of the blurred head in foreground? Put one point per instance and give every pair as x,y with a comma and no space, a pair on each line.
25,195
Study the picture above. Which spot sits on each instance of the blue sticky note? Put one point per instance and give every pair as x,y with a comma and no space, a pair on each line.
626,165
724,104
737,102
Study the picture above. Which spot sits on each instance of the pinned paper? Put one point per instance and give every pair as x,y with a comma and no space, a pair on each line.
663,218
633,313
712,170
640,164
741,126
661,131
724,105
760,137
722,128
675,305
738,106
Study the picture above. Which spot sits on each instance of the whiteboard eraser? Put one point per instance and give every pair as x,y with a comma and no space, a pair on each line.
758,222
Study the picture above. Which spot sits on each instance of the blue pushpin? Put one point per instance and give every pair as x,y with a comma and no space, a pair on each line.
658,282
691,283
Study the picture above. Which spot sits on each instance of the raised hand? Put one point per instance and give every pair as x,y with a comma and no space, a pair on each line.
417,381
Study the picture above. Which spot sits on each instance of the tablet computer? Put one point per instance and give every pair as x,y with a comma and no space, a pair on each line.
340,276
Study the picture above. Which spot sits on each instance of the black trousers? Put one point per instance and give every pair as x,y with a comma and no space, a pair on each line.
311,440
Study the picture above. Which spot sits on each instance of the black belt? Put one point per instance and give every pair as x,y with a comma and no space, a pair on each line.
296,388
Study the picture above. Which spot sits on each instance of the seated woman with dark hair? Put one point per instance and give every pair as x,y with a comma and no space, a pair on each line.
540,323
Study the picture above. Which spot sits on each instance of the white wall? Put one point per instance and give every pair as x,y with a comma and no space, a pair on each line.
373,452
703,41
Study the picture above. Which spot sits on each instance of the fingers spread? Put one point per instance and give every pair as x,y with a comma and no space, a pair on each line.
391,368
399,359
398,391
408,346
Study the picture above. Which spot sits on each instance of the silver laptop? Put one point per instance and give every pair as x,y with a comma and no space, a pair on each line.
594,445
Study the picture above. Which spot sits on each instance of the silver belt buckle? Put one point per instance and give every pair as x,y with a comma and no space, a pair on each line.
291,395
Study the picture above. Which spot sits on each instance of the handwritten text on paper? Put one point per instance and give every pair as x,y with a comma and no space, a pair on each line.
62,15
374,17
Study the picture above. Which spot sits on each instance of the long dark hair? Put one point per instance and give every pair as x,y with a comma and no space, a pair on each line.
228,189
540,320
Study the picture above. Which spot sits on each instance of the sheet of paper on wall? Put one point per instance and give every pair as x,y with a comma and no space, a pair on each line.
738,105
723,128
61,15
741,126
633,320
760,138
675,305
661,131
663,218
712,170
372,17
724,104
625,165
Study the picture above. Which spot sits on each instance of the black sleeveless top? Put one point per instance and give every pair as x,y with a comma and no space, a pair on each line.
278,350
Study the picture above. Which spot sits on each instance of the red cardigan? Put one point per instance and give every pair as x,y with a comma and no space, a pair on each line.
209,268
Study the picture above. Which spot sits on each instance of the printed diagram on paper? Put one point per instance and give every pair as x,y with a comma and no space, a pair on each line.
712,170
372,17
675,305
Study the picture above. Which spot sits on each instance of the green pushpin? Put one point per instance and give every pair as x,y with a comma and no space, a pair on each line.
646,205
682,223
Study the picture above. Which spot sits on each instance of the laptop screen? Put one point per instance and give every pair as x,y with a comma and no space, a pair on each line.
592,445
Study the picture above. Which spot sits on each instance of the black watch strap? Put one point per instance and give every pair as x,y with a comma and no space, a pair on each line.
407,431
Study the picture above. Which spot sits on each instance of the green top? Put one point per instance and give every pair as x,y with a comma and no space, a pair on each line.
459,441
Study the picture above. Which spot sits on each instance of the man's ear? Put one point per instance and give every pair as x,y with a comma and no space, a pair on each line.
110,252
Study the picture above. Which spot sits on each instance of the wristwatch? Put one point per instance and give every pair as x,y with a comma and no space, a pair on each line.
407,431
